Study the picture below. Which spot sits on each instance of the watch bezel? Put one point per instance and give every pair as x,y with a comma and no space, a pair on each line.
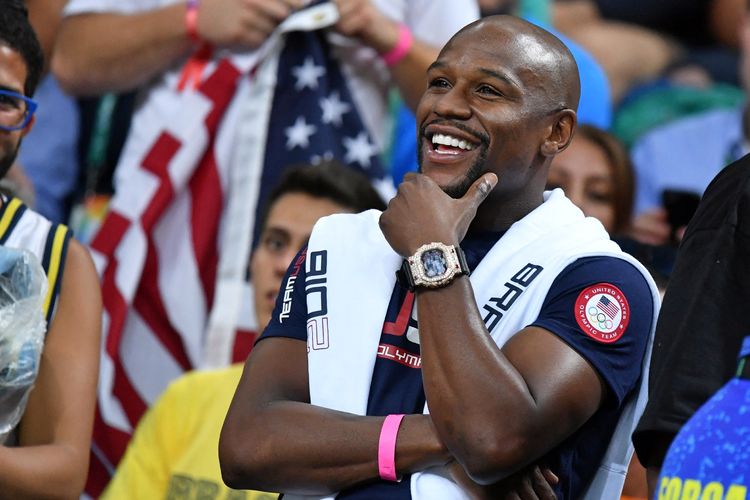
452,261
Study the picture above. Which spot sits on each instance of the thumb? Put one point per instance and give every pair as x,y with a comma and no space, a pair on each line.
481,188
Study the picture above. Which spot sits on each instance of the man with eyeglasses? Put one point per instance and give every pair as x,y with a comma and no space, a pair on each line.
47,453
16,115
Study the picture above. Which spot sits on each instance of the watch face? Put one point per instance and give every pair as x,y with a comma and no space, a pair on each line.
434,263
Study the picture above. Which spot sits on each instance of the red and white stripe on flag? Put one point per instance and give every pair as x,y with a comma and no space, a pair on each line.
157,253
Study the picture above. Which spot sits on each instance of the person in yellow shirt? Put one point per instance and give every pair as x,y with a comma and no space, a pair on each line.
174,451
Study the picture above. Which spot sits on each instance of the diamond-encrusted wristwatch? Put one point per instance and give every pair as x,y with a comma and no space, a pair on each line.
433,265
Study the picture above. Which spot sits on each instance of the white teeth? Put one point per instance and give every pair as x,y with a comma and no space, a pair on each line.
447,140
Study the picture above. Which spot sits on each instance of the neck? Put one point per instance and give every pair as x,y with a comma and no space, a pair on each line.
499,214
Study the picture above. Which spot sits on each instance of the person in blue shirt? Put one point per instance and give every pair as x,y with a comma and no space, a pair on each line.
535,368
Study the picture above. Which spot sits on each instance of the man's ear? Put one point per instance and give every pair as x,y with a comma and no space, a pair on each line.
560,132
28,126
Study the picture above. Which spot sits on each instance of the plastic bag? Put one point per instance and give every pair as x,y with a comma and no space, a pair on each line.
23,288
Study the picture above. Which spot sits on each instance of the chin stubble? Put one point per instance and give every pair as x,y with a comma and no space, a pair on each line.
459,188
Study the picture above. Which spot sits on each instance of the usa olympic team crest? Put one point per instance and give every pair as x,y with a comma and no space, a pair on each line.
602,312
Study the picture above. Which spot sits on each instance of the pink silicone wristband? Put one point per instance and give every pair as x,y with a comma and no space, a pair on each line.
405,41
191,20
387,447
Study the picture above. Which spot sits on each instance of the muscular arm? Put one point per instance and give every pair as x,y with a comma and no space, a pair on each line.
55,432
131,49
274,440
495,410
498,410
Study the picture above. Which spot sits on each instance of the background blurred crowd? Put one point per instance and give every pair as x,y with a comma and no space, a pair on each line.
161,135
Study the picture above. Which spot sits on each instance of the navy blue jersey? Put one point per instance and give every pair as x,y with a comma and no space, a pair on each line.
584,306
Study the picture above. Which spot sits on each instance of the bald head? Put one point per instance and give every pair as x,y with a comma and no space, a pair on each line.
539,57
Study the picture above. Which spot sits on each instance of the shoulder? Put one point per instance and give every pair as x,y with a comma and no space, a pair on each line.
80,276
587,271
78,309
608,289
604,308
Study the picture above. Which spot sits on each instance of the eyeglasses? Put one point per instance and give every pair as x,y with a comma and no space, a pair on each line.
15,110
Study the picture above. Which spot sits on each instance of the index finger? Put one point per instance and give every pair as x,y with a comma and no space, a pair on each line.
541,484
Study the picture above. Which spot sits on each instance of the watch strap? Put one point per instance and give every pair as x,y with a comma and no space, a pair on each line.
404,276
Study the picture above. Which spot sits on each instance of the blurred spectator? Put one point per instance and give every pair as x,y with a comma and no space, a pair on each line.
204,151
637,42
630,54
47,170
706,30
165,460
684,156
596,174
45,454
701,323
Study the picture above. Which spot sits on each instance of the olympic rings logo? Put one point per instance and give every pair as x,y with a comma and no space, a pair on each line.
599,318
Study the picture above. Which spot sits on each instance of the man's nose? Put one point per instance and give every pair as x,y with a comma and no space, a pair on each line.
453,104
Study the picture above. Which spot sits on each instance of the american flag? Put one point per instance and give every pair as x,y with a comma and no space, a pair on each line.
608,307
175,242
314,117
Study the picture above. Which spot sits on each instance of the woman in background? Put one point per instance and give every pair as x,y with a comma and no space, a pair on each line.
596,174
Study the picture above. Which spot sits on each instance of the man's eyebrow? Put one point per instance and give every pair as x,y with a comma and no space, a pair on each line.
435,65
500,76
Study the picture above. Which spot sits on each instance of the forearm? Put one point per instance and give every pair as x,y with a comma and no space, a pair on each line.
331,450
41,472
466,378
409,73
98,53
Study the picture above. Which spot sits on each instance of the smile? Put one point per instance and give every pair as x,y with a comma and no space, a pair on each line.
447,144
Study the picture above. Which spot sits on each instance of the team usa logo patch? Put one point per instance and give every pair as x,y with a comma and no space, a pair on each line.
602,312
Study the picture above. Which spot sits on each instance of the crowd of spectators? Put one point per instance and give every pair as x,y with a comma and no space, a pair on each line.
164,126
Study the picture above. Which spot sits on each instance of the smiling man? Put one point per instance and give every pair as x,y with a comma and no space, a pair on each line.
537,358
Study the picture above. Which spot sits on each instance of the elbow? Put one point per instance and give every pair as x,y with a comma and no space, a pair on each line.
235,471
76,483
77,76
491,458
68,77
68,481
240,468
